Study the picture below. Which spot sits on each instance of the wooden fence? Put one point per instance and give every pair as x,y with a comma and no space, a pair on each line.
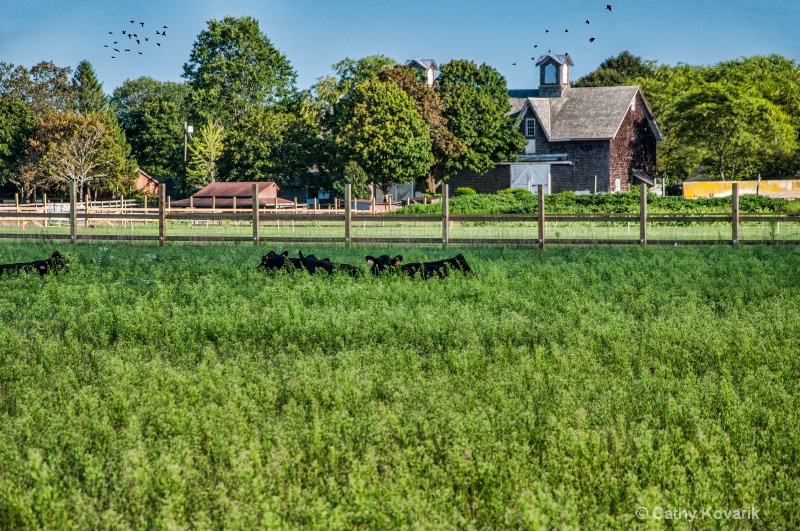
256,216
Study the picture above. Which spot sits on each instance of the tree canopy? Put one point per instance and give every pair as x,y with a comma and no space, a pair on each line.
234,69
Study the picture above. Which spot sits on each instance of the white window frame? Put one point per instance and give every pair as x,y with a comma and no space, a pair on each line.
530,127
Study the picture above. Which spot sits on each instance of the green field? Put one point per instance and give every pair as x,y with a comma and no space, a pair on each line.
176,387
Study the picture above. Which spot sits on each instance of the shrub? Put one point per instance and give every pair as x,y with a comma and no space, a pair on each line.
464,190
517,191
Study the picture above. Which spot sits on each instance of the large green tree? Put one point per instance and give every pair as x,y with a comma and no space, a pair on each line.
87,90
623,69
16,126
152,113
738,131
234,69
445,146
476,106
378,127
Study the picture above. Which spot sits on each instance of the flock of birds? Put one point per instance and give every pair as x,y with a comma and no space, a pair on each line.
119,48
566,30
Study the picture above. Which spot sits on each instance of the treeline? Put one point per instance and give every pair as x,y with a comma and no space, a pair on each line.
373,122
733,120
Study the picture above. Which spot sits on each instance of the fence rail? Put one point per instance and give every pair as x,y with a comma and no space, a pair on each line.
256,218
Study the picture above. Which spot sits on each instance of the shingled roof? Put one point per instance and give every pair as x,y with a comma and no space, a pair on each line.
422,63
594,113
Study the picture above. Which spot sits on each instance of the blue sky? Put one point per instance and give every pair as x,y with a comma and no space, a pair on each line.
314,34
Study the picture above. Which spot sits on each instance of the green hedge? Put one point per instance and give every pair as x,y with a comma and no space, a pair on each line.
618,203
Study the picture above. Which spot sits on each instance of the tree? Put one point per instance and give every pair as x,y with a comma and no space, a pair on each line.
624,69
234,70
205,150
81,149
151,113
736,129
248,155
476,105
16,126
348,74
87,90
378,127
445,146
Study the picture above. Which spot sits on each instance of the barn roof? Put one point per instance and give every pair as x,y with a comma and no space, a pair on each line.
593,113
237,189
422,63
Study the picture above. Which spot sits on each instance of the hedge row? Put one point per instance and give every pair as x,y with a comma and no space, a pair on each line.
618,203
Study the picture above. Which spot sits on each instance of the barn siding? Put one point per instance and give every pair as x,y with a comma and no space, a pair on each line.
634,147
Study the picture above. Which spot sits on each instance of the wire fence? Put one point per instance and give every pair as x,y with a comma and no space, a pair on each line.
125,222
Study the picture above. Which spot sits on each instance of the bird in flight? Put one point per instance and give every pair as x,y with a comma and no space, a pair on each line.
123,32
587,21
165,27
158,44
608,6
591,39
115,50
105,45
566,31
547,31
138,41
142,23
535,45
131,22
513,64
111,33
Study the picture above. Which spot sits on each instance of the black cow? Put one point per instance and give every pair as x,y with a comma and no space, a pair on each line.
55,264
273,260
439,268
312,264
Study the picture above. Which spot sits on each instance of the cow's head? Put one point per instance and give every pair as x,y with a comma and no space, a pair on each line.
383,263
273,260
56,264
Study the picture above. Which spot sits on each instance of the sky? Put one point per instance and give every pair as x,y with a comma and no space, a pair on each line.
315,34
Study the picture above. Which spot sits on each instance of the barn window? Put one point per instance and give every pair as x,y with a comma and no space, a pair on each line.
550,74
530,127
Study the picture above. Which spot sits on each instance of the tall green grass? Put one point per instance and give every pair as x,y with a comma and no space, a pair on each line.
177,387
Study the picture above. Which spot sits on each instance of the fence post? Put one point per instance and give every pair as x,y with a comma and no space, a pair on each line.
162,214
735,213
348,199
255,215
643,214
445,216
234,204
44,203
73,214
540,191
16,202
191,203
213,202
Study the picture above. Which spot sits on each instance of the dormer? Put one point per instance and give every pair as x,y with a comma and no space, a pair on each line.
428,66
553,75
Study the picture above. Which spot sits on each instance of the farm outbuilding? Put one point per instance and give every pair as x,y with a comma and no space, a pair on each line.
586,139
226,194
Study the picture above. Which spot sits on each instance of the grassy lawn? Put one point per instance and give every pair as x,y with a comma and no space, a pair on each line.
175,386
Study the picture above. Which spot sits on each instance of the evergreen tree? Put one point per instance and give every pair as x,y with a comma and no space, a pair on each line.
87,90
